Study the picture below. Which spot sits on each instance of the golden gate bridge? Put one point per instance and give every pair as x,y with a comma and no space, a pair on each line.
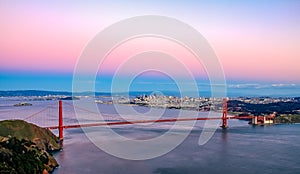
110,120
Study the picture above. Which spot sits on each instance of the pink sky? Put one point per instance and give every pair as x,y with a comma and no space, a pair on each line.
119,57
254,41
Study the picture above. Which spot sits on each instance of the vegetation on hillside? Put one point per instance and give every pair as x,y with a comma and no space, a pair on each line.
259,109
287,119
23,156
26,148
20,129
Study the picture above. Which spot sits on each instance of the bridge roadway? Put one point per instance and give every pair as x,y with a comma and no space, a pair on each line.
145,121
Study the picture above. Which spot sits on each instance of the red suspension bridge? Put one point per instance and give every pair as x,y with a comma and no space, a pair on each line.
109,120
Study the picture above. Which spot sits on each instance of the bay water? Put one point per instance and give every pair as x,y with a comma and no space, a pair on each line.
242,148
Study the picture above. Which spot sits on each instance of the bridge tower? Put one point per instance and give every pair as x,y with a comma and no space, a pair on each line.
60,121
224,116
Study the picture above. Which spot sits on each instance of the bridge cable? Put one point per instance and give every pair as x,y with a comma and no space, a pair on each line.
30,116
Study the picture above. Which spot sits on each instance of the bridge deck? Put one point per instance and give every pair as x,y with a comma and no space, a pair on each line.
146,121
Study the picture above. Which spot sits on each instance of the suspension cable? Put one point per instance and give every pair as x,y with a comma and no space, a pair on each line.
30,116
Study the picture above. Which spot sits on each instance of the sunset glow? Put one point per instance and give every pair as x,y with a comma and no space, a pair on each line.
255,41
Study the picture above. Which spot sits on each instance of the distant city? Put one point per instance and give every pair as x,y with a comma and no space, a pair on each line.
236,105
249,105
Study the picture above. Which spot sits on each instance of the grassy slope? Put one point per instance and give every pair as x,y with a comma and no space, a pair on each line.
23,130
44,140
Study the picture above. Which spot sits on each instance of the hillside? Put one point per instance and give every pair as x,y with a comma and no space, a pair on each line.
26,148
20,129
259,109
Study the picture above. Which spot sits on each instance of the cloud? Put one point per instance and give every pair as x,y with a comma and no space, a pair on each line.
246,85
262,86
284,85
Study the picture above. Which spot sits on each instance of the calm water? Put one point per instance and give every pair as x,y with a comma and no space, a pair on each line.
240,149
246,149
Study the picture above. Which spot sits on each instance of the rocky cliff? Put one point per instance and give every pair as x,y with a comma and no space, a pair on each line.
26,148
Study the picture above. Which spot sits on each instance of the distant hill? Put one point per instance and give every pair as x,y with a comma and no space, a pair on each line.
26,148
27,93
258,109
32,93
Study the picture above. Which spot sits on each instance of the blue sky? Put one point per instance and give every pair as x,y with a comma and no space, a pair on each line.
257,42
